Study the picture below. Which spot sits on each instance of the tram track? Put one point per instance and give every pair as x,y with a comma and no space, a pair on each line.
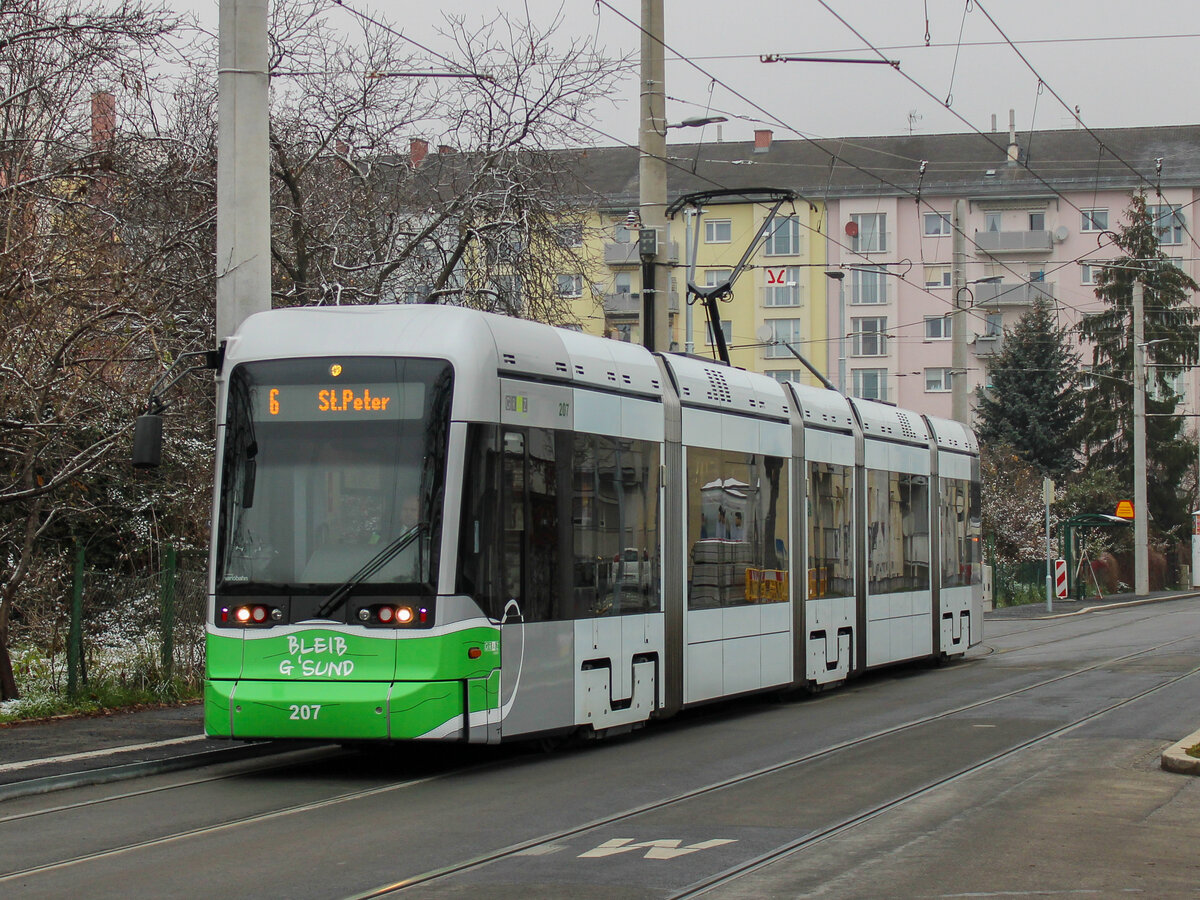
481,860
548,840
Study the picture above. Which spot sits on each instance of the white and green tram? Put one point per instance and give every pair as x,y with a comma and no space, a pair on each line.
435,523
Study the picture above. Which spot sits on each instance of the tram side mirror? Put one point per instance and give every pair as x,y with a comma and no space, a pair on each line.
147,441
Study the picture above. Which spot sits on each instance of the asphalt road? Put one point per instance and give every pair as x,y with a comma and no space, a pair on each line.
1031,768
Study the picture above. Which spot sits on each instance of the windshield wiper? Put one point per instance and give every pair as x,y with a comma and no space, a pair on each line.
369,568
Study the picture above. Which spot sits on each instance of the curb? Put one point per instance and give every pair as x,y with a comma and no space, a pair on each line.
1176,759
50,783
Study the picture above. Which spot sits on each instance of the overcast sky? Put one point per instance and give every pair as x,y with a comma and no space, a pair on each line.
1121,62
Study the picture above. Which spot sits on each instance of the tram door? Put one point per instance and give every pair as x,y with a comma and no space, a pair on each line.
513,512
537,675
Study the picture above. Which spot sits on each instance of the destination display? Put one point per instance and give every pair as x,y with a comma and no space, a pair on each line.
337,402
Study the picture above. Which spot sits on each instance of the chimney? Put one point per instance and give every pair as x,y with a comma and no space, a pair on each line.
1014,152
993,122
418,149
762,140
104,120
443,149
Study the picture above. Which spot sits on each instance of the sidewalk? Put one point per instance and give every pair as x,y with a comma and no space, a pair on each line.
50,754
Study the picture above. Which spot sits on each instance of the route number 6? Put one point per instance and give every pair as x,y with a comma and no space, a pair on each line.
304,713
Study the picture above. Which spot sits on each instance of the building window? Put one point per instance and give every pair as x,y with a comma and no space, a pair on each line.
872,233
991,221
937,276
938,328
784,237
718,231
869,337
508,293
1093,219
623,283
726,329
870,384
1037,221
783,287
782,375
937,225
994,325
622,233
783,330
713,277
568,236
1036,276
570,285
1168,222
937,380
1087,274
868,285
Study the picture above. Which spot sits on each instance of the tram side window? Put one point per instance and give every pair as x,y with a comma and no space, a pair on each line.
830,531
614,517
962,551
897,532
479,554
737,529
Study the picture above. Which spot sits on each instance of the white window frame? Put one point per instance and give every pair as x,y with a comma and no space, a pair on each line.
944,374
711,235
1087,274
879,376
787,228
790,330
868,336
944,275
1170,234
943,325
713,277
1089,219
858,282
786,294
569,235
782,375
993,218
569,285
938,225
1040,214
726,329
861,242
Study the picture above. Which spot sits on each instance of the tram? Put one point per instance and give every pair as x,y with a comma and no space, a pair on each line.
433,523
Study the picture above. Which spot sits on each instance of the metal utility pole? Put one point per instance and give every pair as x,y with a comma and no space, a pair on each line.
652,174
243,190
840,278
1141,515
960,411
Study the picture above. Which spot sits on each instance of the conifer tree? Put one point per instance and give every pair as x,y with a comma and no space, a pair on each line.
1170,335
1032,402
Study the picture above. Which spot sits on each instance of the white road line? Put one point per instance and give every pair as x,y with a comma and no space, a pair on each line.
93,754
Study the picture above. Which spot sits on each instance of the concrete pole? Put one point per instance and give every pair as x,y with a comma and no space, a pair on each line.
652,166
960,408
1141,515
243,191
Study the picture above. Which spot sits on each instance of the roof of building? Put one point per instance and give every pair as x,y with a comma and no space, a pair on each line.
961,165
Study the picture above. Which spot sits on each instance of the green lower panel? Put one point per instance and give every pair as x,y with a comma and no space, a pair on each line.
302,709
418,708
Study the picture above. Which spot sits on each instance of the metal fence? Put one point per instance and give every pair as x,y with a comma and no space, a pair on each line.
1014,584
142,630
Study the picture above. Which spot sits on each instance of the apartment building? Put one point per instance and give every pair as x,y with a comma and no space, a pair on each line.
859,280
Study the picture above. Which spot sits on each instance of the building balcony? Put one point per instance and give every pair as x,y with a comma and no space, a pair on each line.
1004,294
627,254
988,344
617,306
993,242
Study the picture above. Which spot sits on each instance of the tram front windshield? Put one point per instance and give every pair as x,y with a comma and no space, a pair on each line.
326,463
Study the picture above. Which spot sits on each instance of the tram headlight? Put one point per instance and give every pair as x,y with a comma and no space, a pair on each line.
254,614
385,614
404,615
242,614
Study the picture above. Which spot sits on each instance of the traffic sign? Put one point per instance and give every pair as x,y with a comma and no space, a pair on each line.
1060,578
1124,510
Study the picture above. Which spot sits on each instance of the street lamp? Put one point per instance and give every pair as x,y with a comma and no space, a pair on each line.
958,362
698,121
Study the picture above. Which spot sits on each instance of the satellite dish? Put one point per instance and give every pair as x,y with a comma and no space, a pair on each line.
1060,233
764,333
852,229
